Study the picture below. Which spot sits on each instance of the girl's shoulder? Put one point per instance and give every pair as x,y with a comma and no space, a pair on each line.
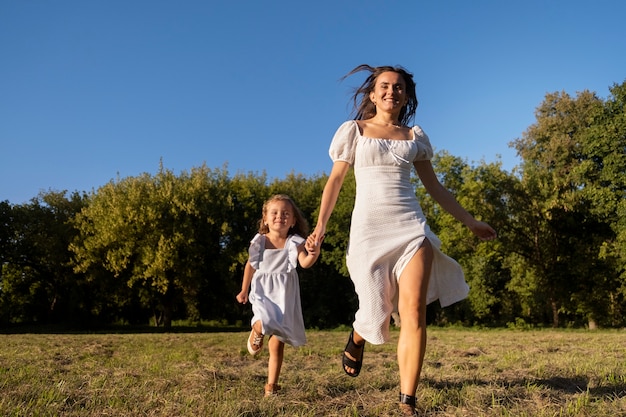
257,245
258,238
296,239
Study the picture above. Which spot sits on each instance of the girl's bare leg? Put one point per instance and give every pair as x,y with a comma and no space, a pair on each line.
258,327
276,349
413,286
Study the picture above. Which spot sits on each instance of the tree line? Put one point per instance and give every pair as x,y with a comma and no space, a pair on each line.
163,247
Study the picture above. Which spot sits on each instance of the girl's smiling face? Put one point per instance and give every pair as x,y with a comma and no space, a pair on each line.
279,216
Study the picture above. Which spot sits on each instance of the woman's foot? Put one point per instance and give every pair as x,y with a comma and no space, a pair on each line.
352,358
271,389
255,342
407,405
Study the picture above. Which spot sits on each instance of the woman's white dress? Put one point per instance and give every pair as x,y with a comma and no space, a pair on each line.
388,227
275,290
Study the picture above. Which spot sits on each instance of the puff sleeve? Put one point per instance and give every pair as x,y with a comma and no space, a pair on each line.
294,242
255,252
343,145
424,148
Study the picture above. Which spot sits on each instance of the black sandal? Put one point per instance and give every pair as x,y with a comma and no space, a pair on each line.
407,405
355,351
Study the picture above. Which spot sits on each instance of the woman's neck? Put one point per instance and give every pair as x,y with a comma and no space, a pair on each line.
385,121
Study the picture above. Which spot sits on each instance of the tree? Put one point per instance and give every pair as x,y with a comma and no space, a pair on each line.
563,234
6,234
603,171
238,215
37,280
161,236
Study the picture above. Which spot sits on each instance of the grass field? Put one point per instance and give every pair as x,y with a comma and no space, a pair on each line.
467,372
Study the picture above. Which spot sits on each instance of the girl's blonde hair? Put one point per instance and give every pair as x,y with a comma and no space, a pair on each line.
300,228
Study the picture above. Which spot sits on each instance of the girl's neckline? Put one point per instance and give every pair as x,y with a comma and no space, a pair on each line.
266,240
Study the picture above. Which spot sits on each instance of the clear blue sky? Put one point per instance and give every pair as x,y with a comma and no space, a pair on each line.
95,90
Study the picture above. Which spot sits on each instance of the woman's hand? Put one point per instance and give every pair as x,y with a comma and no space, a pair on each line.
318,235
482,230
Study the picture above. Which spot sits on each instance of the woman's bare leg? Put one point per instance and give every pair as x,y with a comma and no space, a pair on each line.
413,286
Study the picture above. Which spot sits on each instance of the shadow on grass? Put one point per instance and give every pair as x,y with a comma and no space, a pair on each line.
569,386
579,384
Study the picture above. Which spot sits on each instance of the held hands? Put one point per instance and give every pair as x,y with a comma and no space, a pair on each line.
318,235
482,230
313,245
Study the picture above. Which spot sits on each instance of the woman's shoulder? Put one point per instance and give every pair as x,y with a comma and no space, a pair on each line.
419,134
417,128
343,145
349,125
425,149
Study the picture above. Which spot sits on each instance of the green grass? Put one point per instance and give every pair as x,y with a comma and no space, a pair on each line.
467,372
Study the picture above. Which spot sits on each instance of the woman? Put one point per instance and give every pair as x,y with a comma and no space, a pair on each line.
393,258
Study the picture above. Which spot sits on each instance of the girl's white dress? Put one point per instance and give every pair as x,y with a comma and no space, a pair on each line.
388,227
275,290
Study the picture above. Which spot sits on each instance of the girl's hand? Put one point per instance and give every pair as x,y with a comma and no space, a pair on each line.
483,230
311,246
242,297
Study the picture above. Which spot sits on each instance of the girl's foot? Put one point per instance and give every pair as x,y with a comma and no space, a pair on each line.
255,342
271,389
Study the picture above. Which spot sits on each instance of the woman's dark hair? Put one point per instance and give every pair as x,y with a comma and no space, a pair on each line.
365,109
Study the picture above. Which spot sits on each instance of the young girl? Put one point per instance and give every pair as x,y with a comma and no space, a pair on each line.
274,254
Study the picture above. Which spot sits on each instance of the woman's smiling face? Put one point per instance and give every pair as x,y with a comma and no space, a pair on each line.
389,92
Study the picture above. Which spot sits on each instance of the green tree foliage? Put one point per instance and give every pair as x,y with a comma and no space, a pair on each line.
564,155
162,237
604,176
239,215
7,238
37,280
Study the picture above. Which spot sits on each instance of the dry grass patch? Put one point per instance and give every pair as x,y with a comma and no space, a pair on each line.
466,373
